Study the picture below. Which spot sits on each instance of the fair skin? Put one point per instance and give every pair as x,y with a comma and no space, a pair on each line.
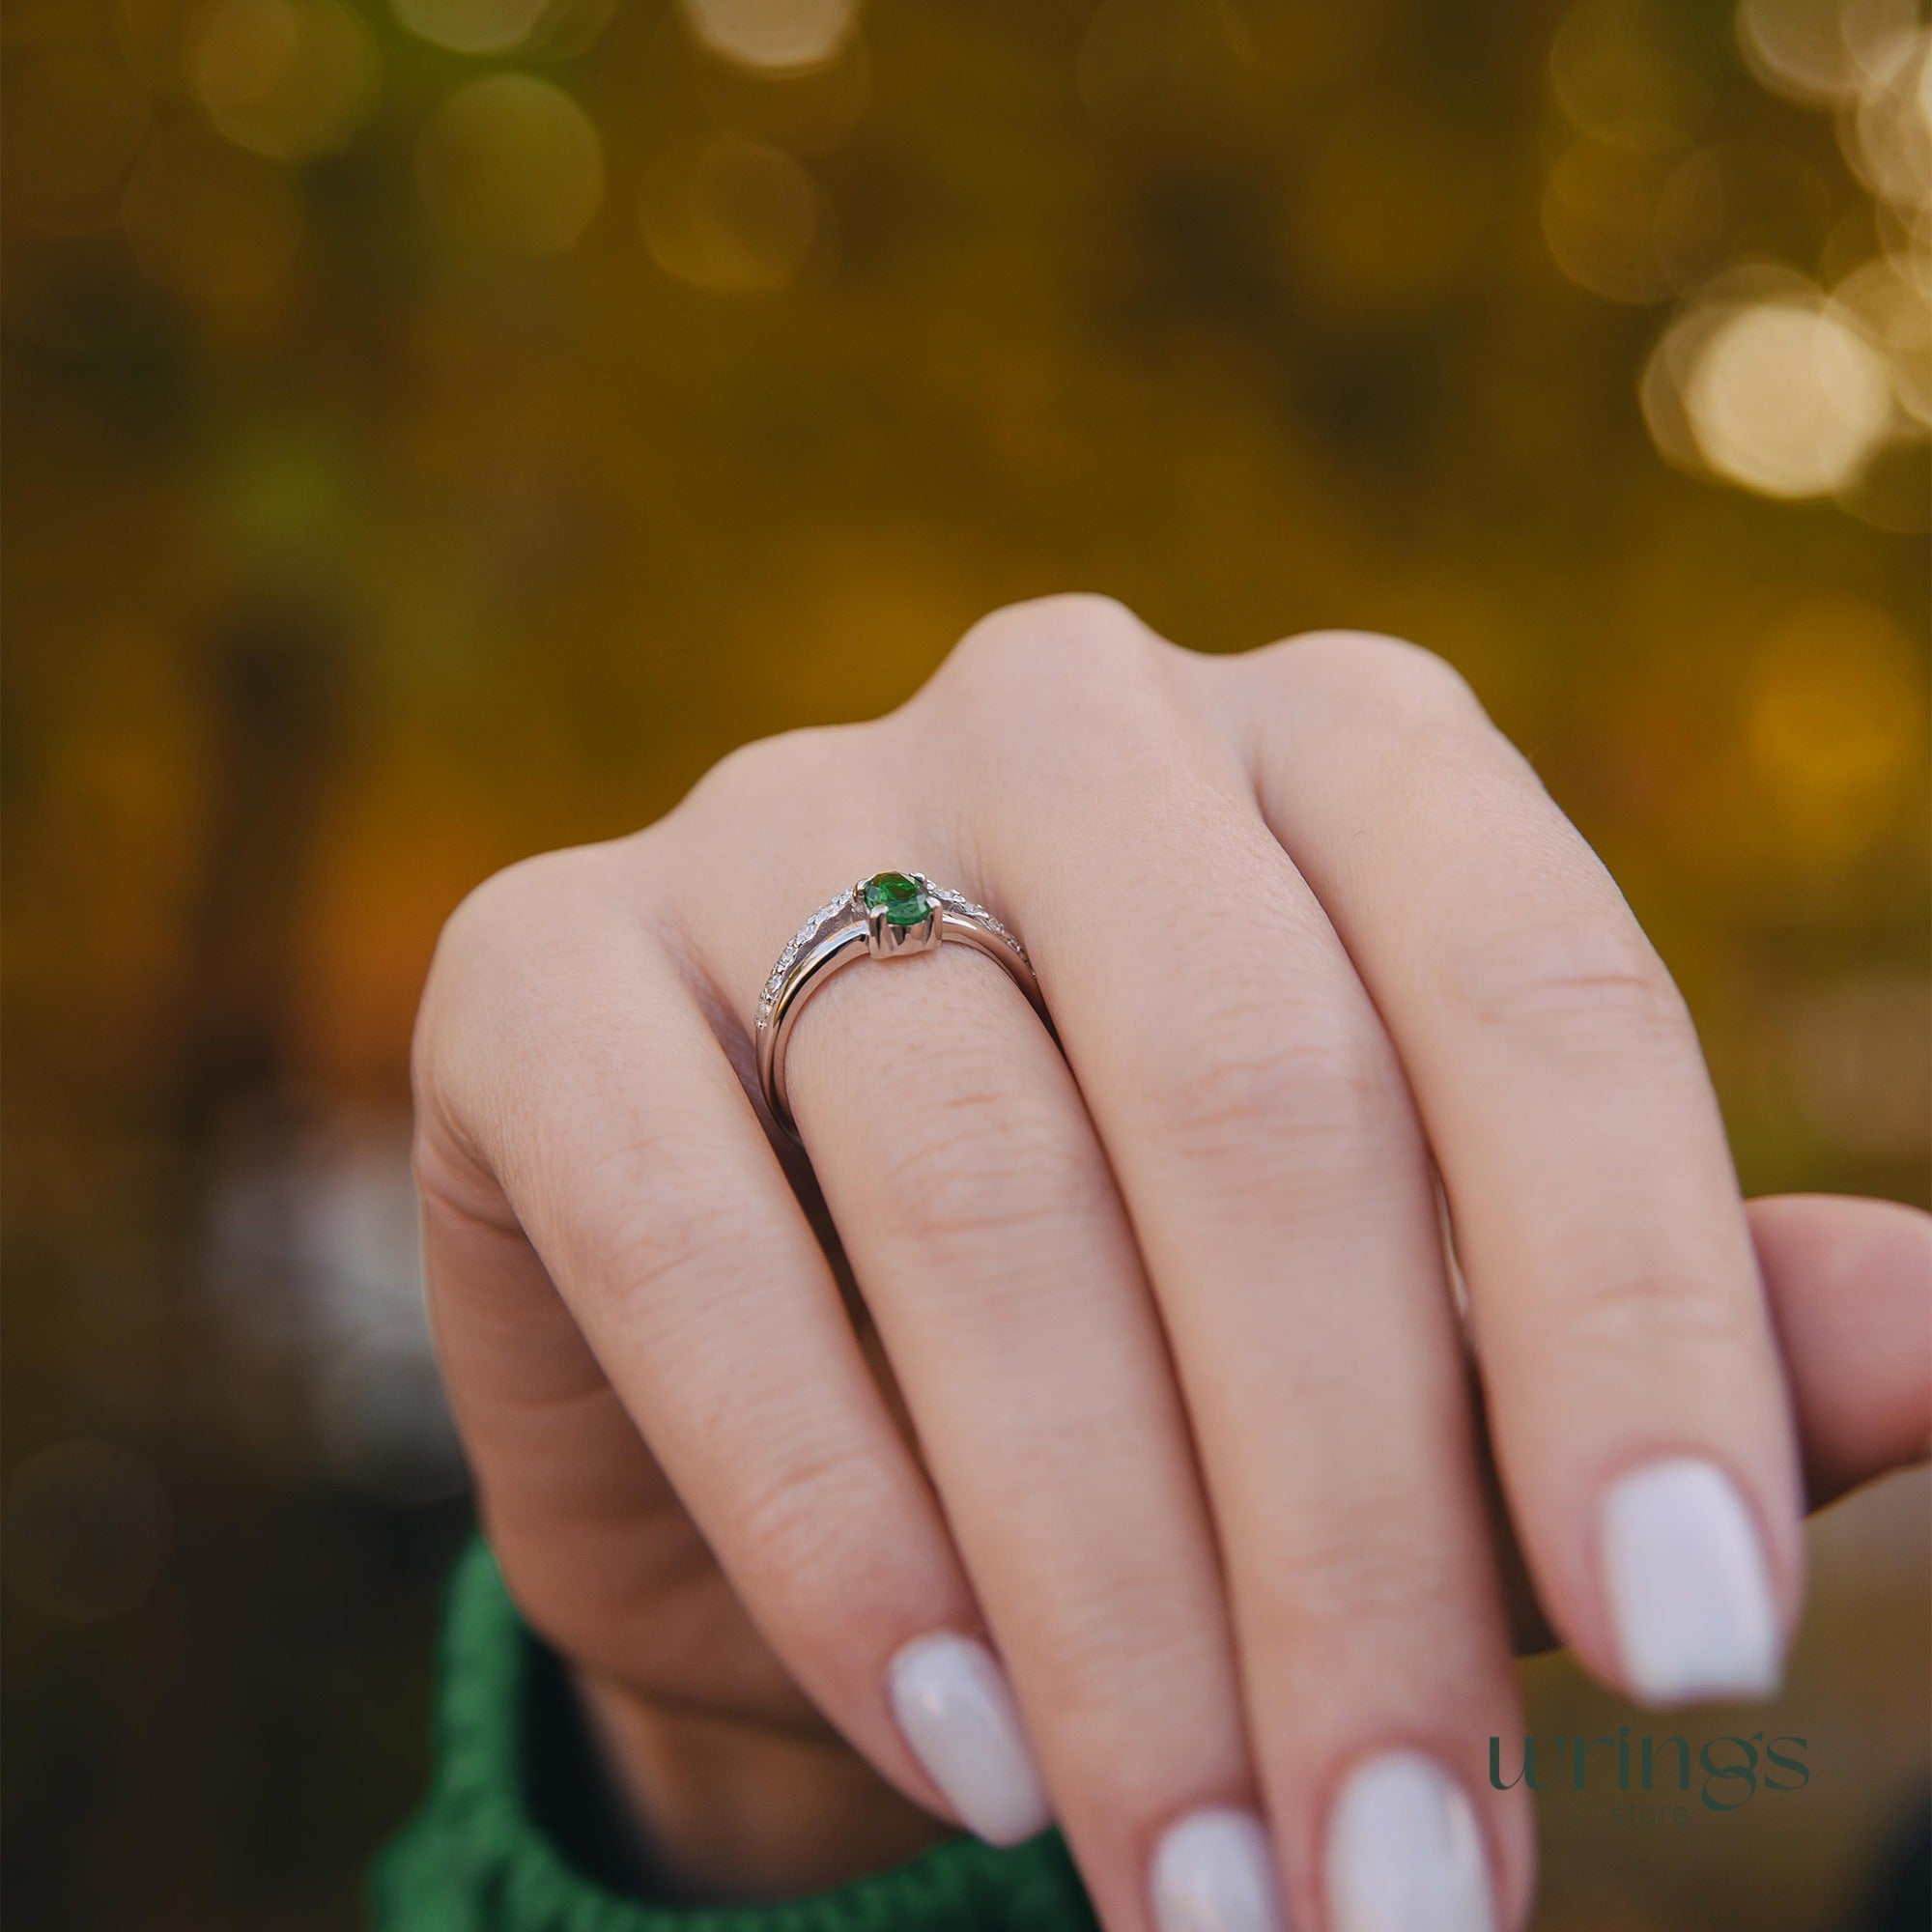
1136,1354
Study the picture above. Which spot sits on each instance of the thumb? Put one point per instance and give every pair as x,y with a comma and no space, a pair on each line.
1850,1287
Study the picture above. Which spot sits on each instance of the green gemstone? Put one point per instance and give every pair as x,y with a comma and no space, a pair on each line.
901,899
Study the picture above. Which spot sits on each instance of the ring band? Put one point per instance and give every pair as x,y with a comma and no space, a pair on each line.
890,916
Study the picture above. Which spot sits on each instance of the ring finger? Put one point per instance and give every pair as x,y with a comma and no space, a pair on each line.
984,1232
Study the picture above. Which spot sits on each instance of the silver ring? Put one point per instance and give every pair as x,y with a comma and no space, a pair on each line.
890,916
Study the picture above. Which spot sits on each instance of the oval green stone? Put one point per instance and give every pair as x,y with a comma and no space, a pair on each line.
901,899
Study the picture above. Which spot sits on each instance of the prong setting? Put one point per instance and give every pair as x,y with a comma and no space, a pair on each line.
888,915
886,941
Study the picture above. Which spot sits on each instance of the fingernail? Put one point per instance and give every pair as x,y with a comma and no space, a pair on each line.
956,1711
1690,1598
1213,1872
1405,1854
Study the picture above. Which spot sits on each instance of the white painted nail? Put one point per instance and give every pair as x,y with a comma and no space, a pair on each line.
1690,1598
956,1711
1213,1872
1405,1854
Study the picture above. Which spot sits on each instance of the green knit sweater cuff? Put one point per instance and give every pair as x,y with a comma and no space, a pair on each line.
477,1858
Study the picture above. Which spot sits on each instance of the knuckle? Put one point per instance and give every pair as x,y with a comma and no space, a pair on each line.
492,941
559,1569
988,1164
1329,1084
443,1163
1070,643
1357,1575
792,1513
664,1233
1376,1596
1393,676
810,1530
1058,696
1633,1314
1580,974
503,921
544,1592
1118,1647
1077,622
767,774
489,913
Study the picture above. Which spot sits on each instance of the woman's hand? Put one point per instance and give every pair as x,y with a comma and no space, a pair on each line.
1152,1383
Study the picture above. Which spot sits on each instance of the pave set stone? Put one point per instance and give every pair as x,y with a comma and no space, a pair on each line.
906,898
958,902
833,911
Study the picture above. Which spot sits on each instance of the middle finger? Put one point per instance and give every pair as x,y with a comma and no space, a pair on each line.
1256,1117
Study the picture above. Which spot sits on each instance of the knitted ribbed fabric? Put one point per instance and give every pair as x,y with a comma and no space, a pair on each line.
477,1859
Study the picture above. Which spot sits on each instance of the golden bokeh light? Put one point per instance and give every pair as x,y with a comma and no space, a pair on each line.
1734,201
568,28
732,215
1819,51
472,26
1661,388
1758,380
1887,134
286,78
1599,218
1614,75
1766,382
777,35
1835,719
511,164
811,110
1787,398
1894,309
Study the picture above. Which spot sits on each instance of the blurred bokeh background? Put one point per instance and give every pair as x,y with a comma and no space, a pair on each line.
437,429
